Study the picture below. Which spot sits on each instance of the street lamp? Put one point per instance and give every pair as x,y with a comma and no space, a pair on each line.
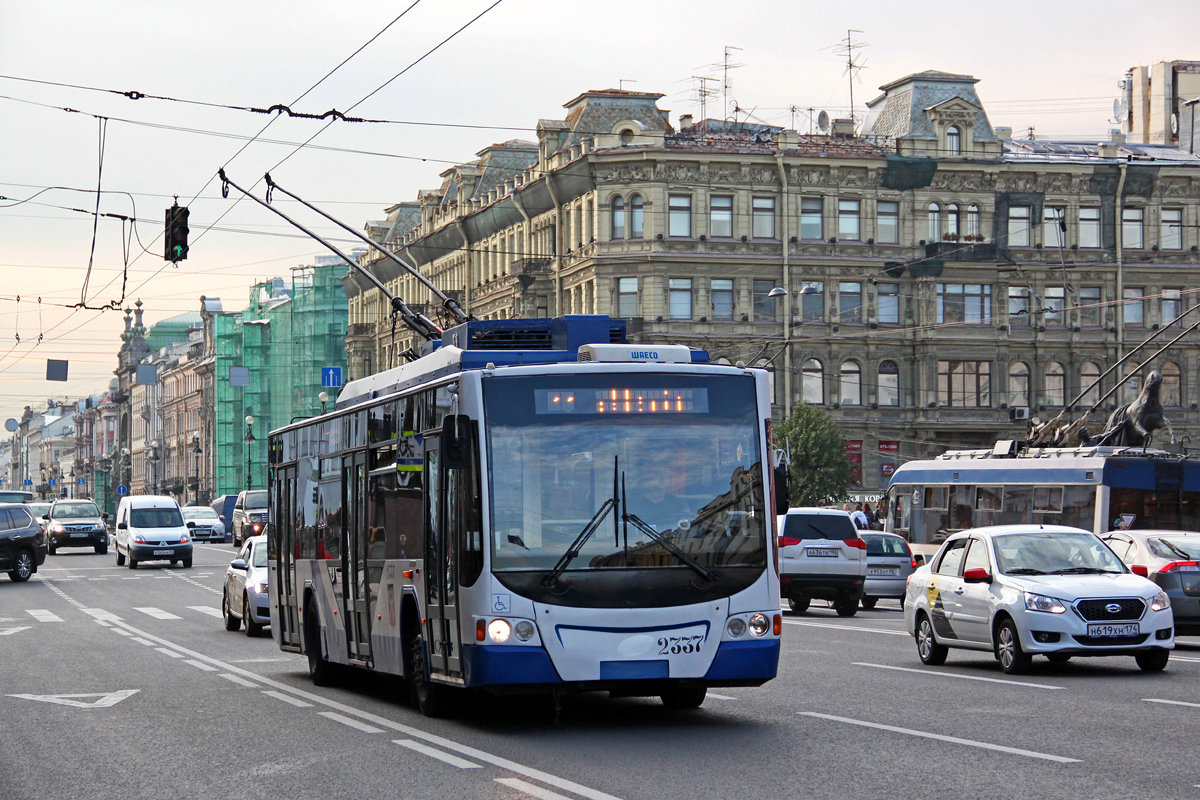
154,458
324,398
196,449
249,440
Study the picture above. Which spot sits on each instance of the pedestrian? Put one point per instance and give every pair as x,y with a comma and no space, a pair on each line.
859,518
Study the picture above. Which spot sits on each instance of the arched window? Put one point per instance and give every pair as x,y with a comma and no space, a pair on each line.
1088,373
813,383
974,227
1056,386
618,218
851,389
636,216
935,223
1171,390
889,384
952,222
1018,385
953,141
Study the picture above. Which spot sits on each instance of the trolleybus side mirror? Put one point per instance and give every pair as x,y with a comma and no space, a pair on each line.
456,441
1140,569
781,489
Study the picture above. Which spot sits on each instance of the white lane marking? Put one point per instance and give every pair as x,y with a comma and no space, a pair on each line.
42,615
261,660
845,627
212,612
720,696
941,674
162,578
291,700
1184,658
167,652
350,723
97,579
132,579
951,739
100,613
432,752
239,681
103,699
118,631
157,613
204,574
140,640
102,622
11,631
1170,702
530,789
198,664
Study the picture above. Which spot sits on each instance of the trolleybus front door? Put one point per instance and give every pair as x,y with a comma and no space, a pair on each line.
283,534
354,564
441,588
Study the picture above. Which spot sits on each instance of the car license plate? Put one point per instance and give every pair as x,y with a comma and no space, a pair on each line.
164,552
1107,631
883,571
821,552
77,535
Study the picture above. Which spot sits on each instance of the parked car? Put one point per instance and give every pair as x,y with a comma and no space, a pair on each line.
244,599
22,543
249,515
1172,560
75,523
1025,590
889,563
821,557
208,528
151,528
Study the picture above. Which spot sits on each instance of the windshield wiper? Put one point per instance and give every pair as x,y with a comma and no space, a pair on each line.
670,546
585,534
1082,571
1023,571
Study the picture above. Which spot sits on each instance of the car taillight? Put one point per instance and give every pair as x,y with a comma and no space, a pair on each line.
787,541
914,563
859,543
1174,565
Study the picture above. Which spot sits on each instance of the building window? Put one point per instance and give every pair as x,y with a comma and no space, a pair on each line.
1019,220
722,299
764,217
1018,306
974,226
953,141
627,297
887,225
679,215
889,304
848,220
1089,307
951,234
889,384
1018,385
1056,385
811,210
680,298
851,386
1054,227
969,303
812,303
935,223
618,218
1171,386
720,217
1131,229
812,382
764,306
1089,227
1089,373
637,215
1170,232
965,384
1172,306
850,303
1133,384
1055,298
1134,310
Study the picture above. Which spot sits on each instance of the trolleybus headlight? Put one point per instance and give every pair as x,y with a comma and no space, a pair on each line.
524,630
736,627
759,624
499,630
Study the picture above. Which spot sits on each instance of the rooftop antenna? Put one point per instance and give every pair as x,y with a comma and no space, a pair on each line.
854,65
621,83
702,92
726,84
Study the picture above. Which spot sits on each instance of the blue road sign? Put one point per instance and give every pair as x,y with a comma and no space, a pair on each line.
52,482
331,376
28,482
81,481
122,489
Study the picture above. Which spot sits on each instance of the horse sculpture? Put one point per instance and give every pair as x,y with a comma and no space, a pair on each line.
1132,425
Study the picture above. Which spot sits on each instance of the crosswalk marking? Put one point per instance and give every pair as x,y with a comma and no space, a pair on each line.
42,615
212,612
157,613
11,631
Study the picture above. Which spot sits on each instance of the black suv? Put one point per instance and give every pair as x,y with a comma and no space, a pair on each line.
249,515
76,523
22,543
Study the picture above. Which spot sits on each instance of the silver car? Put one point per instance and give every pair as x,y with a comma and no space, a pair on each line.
244,598
209,527
889,563
1172,560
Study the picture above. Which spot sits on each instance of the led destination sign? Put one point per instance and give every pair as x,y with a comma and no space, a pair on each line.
621,401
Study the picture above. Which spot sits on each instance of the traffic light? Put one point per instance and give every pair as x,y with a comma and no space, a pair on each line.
176,234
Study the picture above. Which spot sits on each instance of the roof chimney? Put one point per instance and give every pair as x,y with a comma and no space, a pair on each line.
685,122
1116,136
843,127
1003,133
1107,150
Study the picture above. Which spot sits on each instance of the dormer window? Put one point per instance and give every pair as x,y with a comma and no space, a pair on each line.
626,136
953,141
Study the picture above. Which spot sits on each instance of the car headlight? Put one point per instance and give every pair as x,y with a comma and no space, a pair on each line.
759,624
57,527
499,630
260,587
1040,602
736,627
184,539
139,539
1160,602
524,630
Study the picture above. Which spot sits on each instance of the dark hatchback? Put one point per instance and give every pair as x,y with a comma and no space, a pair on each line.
22,543
76,523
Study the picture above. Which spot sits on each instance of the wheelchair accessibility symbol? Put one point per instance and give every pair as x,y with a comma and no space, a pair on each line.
501,603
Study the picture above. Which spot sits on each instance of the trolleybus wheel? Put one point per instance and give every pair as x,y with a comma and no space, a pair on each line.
684,697
321,671
430,699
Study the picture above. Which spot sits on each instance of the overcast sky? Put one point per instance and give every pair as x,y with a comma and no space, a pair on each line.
1052,66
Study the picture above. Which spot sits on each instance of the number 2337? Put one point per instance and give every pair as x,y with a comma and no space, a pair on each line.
677,645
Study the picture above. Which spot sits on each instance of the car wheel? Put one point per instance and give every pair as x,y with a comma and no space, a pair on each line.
101,549
928,649
132,562
869,602
845,607
683,697
252,627
23,567
1153,660
430,699
52,549
1058,658
174,562
232,623
798,606
322,672
120,558
1013,660
187,563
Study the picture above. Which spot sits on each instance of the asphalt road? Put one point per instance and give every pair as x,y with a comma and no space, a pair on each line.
175,706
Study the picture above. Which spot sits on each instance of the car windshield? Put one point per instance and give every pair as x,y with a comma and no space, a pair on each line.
886,546
1053,554
256,499
679,455
833,527
155,518
199,513
75,510
38,509
1176,548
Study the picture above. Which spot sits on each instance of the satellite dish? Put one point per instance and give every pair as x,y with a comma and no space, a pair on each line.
1116,108
823,121
1174,124
11,424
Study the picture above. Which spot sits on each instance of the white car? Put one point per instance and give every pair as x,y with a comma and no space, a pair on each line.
244,599
1025,590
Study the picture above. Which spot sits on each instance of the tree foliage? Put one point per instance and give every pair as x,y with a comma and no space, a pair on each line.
820,471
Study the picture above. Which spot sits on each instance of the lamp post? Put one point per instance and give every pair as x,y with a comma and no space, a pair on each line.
196,449
324,398
249,440
154,458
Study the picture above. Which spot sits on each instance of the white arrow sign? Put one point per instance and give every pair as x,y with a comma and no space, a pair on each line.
101,699
10,631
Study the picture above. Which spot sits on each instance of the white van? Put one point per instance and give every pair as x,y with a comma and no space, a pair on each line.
151,528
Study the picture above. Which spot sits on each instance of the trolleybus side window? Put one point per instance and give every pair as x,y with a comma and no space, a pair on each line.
1048,499
329,510
307,499
936,497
